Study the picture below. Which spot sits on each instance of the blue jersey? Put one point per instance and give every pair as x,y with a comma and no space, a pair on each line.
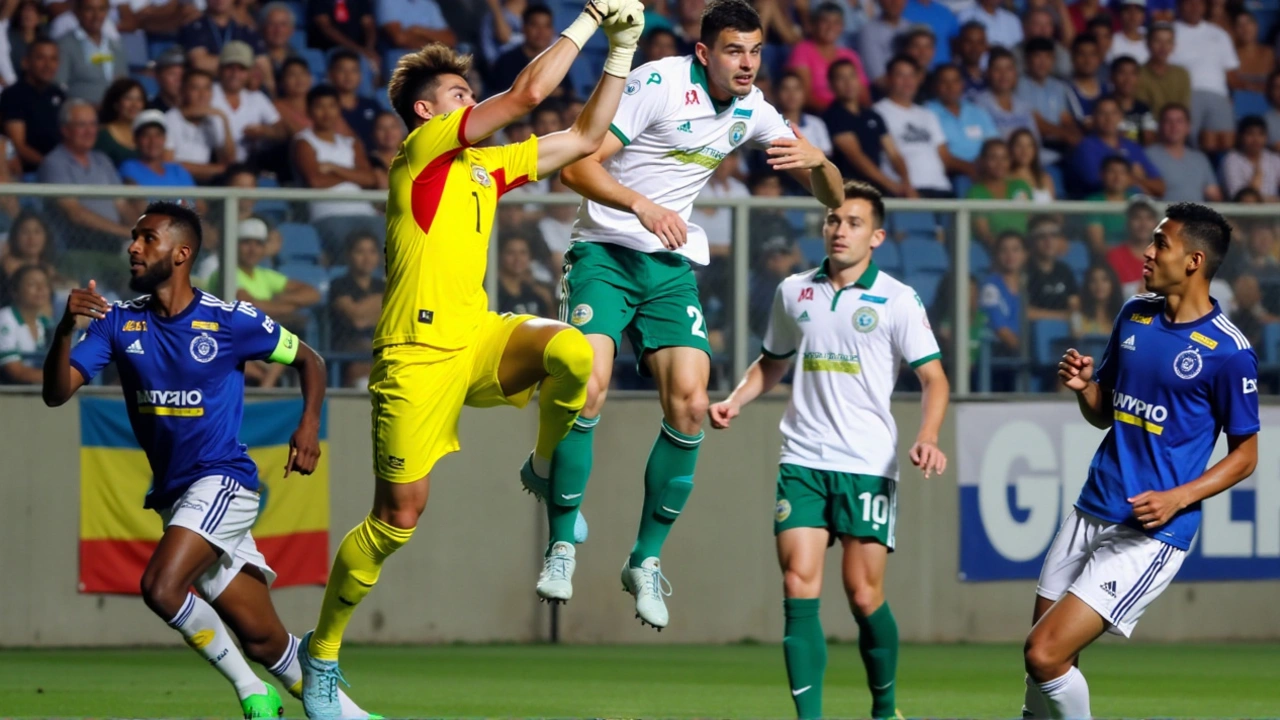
1175,386
183,380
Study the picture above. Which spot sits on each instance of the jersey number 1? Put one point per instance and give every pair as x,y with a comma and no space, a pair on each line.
476,195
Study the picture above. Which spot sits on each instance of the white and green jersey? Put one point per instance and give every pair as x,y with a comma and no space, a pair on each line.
851,343
674,135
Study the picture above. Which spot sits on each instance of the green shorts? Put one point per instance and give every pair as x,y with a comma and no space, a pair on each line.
860,506
609,289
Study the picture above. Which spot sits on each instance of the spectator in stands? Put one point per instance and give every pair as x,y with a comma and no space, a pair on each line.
1081,12
1159,81
388,134
355,304
410,24
500,30
658,44
29,243
328,159
1273,114
943,316
1247,196
972,48
255,124
993,182
1264,250
1003,27
556,225
539,33
875,42
1086,58
26,325
1025,164
270,291
790,101
121,104
30,107
812,58
1000,298
1052,293
965,125
518,291
244,177
1126,260
780,24
1100,303
718,222
1251,163
1257,61
774,263
546,119
96,225
1106,141
1104,229
344,24
1009,111
1138,125
89,59
769,224
1038,24
278,25
1131,39
208,37
942,23
149,168
1053,101
1101,30
169,72
158,18
919,44
1209,55
1187,173
25,27
687,23
199,135
293,84
358,111
1249,314
859,136
916,133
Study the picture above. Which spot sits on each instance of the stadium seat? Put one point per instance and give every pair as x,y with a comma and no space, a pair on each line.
926,285
156,46
309,273
149,85
1047,341
1059,183
889,257
337,271
904,222
1077,258
299,38
923,255
979,259
1270,350
1248,103
315,62
812,249
299,243
391,57
961,184
797,219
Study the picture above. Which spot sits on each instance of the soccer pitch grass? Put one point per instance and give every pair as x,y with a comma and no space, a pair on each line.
741,681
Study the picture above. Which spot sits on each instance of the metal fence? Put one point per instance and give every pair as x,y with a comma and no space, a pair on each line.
950,251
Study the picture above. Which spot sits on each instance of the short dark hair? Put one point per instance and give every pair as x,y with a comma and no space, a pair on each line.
40,40
357,237
1203,229
1082,40
180,217
999,53
288,63
1042,220
1116,160
760,176
899,59
972,25
417,75
535,9
192,73
116,91
1007,235
827,8
653,34
1175,107
1101,20
1121,62
720,15
831,69
859,190
15,280
1038,45
946,67
340,54
1107,99
239,169
1251,122
323,90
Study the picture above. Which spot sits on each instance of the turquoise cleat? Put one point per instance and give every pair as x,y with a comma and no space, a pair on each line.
539,487
320,678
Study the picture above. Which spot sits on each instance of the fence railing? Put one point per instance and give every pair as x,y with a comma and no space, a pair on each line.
956,234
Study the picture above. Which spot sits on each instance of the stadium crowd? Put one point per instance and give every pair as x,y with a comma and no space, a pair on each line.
1135,100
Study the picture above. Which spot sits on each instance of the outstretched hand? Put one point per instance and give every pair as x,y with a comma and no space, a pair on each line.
794,153
85,302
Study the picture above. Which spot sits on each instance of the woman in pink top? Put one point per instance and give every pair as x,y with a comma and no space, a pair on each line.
812,57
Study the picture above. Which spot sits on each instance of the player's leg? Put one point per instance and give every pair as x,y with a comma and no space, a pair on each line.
865,513
1050,652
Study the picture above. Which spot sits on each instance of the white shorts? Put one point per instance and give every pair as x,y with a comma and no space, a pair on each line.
1114,569
220,510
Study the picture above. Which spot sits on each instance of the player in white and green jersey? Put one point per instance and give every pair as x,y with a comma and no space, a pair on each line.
851,326
630,269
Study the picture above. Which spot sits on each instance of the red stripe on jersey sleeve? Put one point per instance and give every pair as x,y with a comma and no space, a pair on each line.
428,188
462,127
503,186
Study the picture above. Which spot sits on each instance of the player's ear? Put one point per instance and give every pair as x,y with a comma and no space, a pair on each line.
702,52
422,109
877,238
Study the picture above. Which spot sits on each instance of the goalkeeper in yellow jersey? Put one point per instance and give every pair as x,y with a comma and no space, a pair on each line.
437,346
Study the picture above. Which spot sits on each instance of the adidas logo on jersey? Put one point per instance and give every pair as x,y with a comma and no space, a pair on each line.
685,127
804,317
1109,588
135,348
1129,344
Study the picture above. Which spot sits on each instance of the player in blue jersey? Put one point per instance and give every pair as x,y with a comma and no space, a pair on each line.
181,354
1174,375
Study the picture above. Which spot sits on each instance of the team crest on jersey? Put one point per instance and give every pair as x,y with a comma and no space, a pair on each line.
782,511
480,175
204,348
1188,364
865,320
737,133
632,88
581,315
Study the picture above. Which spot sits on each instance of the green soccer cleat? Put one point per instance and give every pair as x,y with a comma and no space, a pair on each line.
539,487
267,705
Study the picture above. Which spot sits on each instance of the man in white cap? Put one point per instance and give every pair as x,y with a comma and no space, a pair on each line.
255,122
150,168
1131,39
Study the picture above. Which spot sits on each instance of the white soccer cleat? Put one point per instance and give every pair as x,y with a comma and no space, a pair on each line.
555,582
648,586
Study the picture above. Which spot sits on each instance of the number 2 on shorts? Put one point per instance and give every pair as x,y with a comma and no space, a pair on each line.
874,508
698,324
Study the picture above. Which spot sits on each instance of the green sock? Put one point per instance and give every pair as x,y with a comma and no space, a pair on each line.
878,643
806,652
570,470
668,481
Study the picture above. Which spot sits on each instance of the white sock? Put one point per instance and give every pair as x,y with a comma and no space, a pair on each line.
289,671
1068,696
204,632
1034,704
541,466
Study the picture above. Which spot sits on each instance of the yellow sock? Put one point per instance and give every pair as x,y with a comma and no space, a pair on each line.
355,572
567,359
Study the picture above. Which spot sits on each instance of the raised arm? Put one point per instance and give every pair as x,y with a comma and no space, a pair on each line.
61,379
1076,373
